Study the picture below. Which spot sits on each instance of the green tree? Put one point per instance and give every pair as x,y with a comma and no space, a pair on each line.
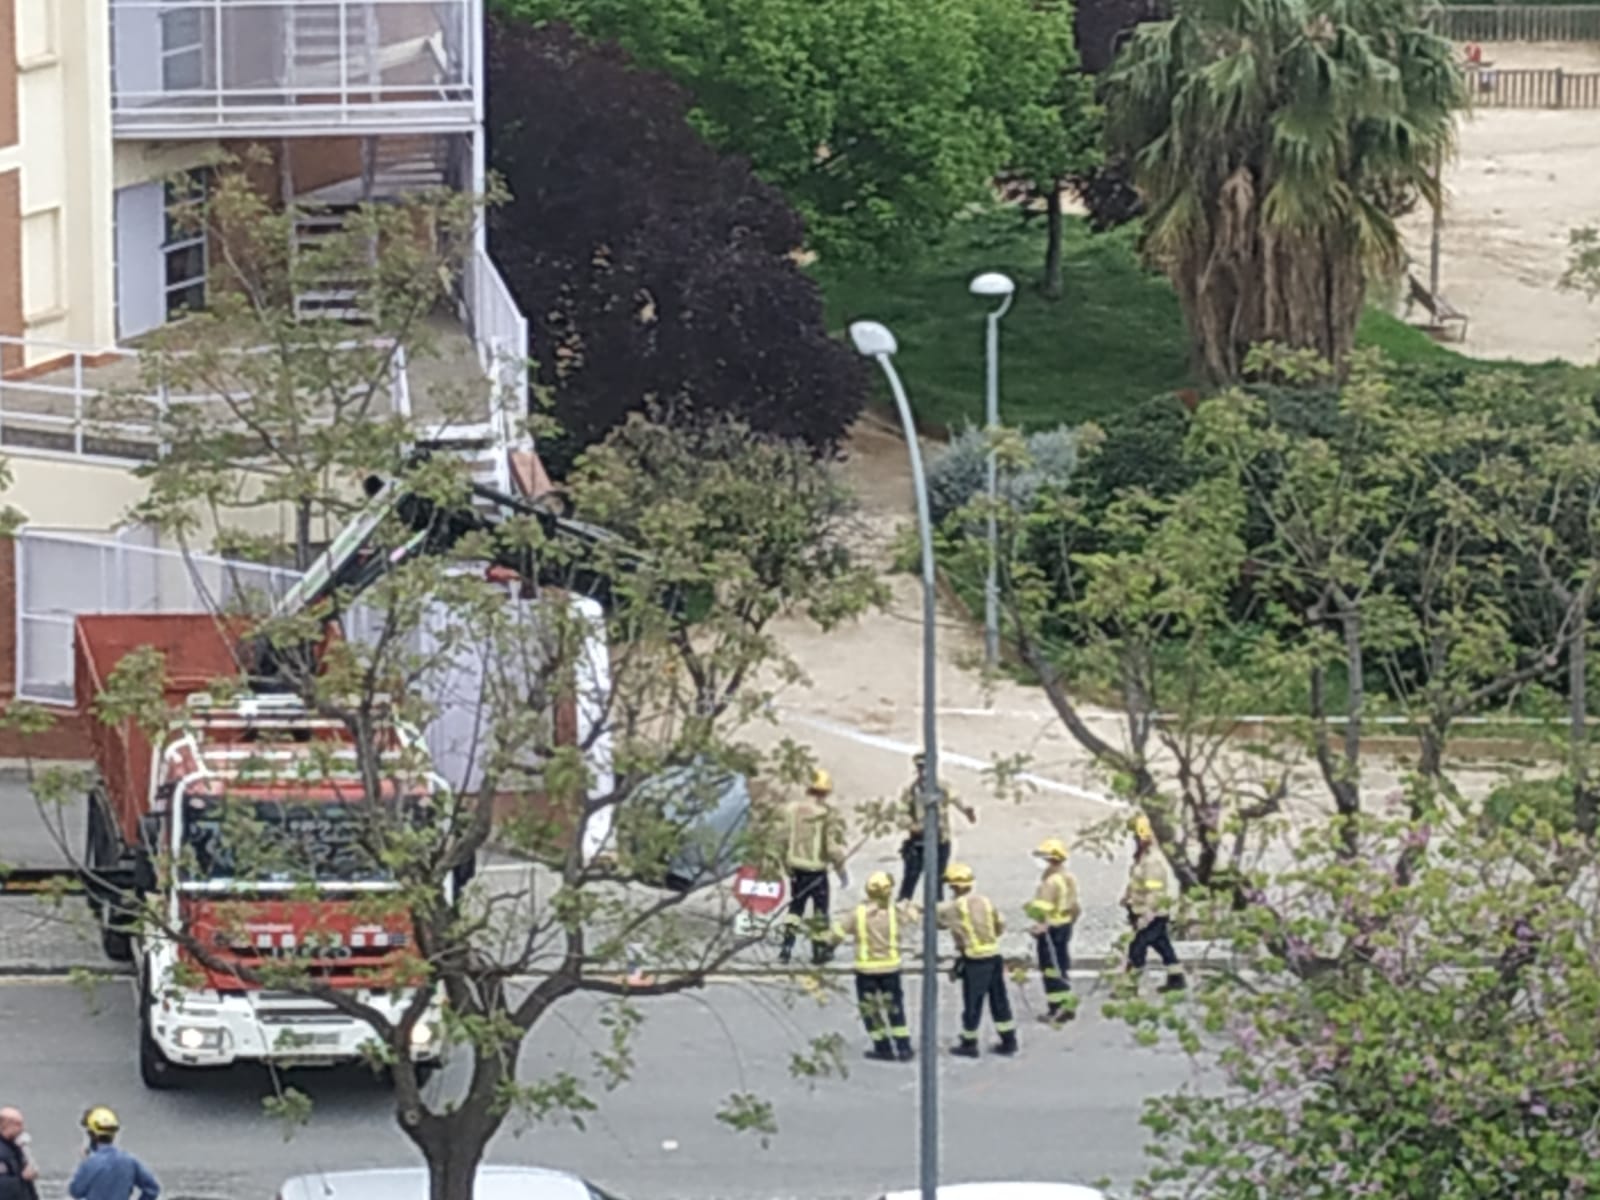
1032,78
879,119
264,386
1270,144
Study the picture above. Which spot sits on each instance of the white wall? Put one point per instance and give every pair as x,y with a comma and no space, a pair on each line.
64,153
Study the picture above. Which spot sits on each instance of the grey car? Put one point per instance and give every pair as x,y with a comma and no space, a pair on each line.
712,804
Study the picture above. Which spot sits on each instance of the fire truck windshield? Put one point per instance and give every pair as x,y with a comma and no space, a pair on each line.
278,842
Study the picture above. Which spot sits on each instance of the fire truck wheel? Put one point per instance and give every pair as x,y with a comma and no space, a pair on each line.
91,850
117,944
155,1071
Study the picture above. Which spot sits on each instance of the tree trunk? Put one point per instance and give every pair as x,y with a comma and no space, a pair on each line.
1583,796
453,1146
302,535
1052,245
451,1175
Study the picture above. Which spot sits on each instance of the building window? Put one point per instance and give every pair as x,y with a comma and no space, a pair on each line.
183,248
183,49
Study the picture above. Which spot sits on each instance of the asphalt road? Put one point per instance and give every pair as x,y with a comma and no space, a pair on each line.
1066,1109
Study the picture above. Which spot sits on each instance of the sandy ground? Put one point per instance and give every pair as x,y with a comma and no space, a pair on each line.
1523,179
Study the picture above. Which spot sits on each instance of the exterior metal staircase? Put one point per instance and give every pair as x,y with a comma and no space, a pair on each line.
391,167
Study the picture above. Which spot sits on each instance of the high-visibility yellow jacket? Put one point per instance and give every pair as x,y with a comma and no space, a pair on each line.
913,809
1055,902
875,927
975,924
815,835
1149,891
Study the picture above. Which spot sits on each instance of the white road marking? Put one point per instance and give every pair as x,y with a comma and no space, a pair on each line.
894,745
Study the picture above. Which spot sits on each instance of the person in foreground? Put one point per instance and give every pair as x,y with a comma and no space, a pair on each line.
108,1172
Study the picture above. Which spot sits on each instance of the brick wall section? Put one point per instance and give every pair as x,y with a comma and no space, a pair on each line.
8,71
66,738
10,265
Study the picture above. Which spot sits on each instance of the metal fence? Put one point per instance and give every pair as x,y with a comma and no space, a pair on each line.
1494,88
61,576
98,404
1519,22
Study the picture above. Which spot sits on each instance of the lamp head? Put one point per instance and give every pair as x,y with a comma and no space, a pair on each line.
872,340
992,284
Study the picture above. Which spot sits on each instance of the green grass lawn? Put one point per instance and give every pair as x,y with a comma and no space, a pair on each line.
1115,337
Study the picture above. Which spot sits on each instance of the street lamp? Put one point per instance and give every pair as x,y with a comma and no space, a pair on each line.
992,284
874,341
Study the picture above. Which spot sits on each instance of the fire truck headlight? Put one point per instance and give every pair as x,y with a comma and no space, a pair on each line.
421,1034
192,1038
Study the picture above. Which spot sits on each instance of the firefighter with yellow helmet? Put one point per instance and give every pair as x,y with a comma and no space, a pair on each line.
815,841
874,927
976,925
108,1172
1053,910
1148,901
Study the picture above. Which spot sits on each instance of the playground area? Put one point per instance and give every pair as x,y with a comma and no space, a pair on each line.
1522,180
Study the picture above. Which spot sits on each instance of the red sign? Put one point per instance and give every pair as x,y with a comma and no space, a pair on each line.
757,895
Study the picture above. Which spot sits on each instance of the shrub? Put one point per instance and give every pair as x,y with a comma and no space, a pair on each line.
959,474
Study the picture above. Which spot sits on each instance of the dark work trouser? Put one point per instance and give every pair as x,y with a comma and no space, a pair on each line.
1154,936
1055,960
984,979
883,1011
911,859
807,887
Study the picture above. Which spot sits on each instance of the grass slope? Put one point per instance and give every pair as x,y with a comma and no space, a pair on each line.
1115,337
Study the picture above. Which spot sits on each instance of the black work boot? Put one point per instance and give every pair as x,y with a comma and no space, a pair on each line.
965,1049
1175,982
1007,1044
904,1052
880,1052
821,954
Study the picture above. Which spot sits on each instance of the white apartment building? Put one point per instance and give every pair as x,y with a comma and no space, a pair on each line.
103,102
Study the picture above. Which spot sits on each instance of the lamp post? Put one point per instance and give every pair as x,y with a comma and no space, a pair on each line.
874,341
992,284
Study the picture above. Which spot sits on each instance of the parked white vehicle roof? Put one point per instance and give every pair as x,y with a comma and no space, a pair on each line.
411,1183
1005,1191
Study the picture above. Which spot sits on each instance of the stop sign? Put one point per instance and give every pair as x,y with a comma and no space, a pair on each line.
762,897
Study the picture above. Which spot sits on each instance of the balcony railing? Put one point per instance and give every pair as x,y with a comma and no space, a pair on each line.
500,334
268,67
78,402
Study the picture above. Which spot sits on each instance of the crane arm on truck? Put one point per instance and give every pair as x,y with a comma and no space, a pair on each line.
353,562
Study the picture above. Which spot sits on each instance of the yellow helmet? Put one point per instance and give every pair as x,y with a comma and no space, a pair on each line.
821,782
880,884
1053,849
1141,828
958,875
100,1120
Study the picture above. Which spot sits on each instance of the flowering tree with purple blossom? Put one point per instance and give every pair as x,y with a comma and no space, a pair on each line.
1436,1040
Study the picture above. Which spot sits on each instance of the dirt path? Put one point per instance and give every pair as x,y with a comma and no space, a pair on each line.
1521,182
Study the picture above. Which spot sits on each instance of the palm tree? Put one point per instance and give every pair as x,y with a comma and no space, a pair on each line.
1273,142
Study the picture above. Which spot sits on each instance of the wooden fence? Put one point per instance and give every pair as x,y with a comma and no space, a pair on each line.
1493,88
1519,22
